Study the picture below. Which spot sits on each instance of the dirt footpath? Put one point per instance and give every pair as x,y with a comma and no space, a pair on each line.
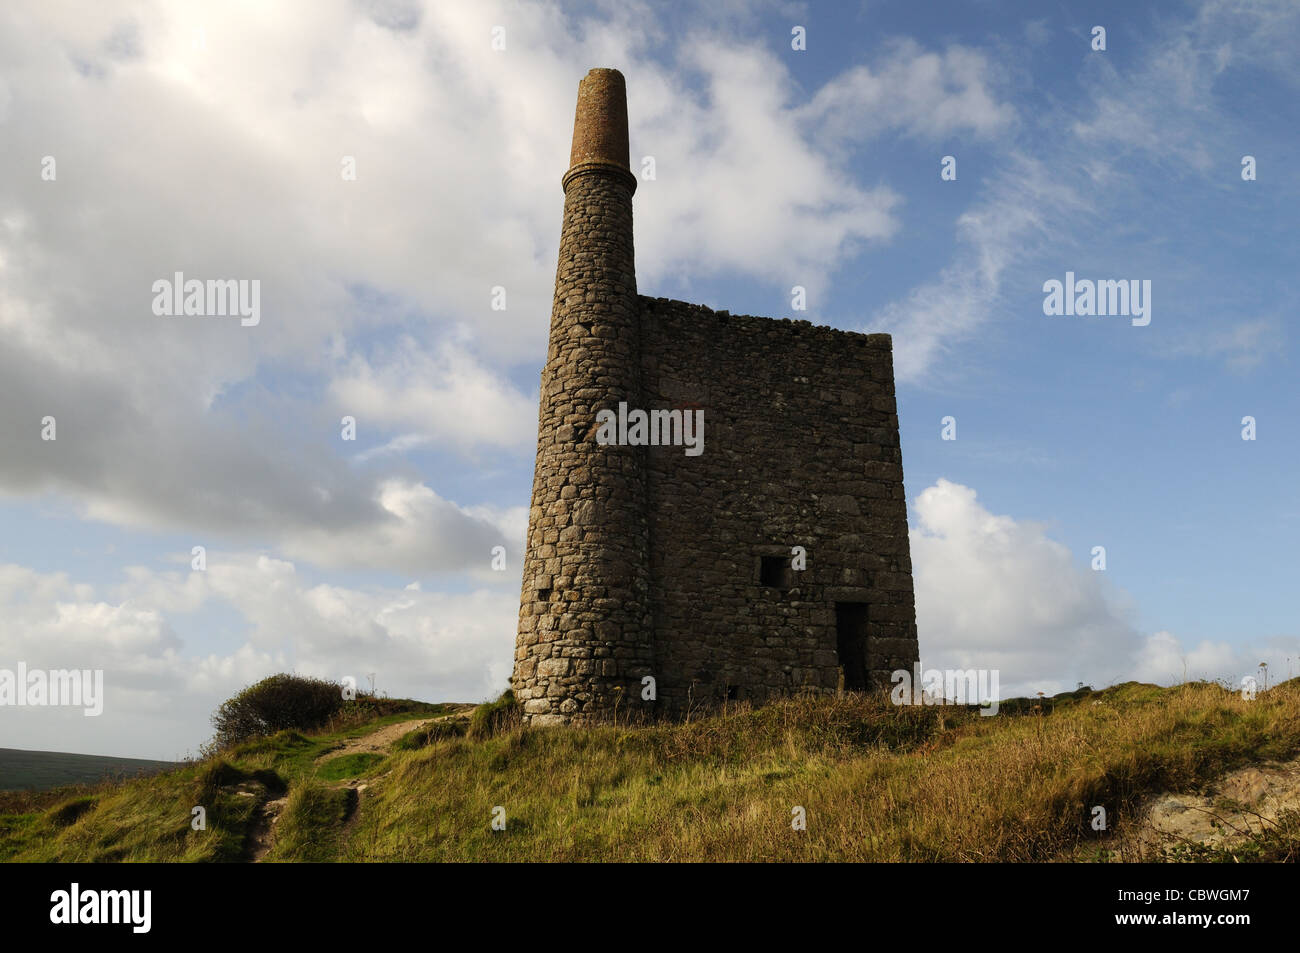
378,742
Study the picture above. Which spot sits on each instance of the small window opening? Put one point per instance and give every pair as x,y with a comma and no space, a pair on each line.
775,572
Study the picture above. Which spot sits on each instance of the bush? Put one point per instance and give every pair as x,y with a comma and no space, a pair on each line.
275,704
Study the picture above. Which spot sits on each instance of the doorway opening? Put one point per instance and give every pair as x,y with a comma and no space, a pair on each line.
851,644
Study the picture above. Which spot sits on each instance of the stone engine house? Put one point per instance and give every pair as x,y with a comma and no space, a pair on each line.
658,581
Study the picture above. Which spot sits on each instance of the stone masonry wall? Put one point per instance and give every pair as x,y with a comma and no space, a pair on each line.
801,449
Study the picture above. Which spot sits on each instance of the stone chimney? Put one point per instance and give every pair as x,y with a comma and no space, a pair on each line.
584,638
600,128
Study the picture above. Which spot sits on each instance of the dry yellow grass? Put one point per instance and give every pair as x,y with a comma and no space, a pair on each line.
875,783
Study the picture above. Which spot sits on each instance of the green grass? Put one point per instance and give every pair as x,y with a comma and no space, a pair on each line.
494,717
434,731
310,828
150,819
348,766
875,782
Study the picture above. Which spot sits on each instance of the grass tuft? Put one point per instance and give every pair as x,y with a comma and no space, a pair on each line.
492,718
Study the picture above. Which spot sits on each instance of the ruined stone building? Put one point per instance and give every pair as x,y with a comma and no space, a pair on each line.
771,559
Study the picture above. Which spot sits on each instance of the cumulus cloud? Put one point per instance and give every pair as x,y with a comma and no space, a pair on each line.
1165,659
156,702
214,146
994,592
160,684
740,185
422,532
446,395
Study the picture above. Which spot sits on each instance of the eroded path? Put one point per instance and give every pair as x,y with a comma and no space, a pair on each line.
261,834
377,742
380,740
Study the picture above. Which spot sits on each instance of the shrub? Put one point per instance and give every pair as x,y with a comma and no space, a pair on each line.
275,704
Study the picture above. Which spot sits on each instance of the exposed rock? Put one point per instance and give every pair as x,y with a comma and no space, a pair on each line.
1236,808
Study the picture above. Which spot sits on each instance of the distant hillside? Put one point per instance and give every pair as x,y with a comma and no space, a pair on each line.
827,778
40,770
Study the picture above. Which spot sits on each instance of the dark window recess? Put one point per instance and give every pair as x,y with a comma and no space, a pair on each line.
543,595
851,644
775,572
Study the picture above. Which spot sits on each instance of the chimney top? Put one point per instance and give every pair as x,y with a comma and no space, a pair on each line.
600,126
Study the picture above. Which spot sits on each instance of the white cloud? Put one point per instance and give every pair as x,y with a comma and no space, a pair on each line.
161,688
420,532
1072,175
913,91
1242,346
446,396
741,186
991,591
994,592
1164,659
212,145
1167,107
1018,211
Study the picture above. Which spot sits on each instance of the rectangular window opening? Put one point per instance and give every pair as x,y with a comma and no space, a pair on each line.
774,572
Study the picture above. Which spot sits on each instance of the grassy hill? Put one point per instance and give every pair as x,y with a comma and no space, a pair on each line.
39,770
875,782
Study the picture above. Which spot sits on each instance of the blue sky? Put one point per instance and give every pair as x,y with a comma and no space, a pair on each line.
212,144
